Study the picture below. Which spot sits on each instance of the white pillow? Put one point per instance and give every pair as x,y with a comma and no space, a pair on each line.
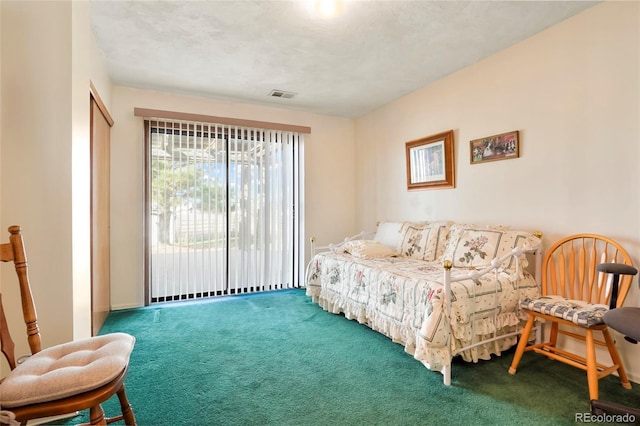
388,233
366,249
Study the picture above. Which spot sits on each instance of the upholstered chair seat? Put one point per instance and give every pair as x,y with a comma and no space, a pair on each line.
578,312
66,370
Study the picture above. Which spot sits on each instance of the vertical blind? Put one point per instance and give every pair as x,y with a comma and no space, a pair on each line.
222,216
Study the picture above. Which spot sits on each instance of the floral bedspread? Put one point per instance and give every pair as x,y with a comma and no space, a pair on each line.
403,299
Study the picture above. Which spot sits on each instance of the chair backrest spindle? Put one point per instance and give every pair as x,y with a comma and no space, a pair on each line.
15,251
570,269
571,283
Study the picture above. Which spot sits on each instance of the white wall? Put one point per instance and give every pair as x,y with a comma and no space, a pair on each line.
99,73
46,63
329,176
573,92
36,160
80,169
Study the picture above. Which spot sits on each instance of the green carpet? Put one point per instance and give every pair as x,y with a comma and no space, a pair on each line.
277,359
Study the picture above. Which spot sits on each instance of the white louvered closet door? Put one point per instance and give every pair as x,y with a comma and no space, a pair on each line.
221,210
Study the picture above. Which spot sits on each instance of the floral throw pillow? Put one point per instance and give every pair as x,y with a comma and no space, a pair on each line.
476,247
424,242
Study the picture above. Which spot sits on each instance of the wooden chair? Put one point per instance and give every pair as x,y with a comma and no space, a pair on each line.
575,296
65,378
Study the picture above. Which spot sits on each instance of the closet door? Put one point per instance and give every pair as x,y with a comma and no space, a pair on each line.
100,224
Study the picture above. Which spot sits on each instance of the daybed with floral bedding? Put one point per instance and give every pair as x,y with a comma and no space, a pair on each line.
396,284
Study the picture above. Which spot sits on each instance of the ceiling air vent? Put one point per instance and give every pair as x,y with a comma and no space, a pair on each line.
281,94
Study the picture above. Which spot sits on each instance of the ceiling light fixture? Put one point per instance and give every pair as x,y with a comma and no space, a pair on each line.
329,8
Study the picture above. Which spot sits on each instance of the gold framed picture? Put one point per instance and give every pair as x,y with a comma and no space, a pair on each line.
430,162
496,147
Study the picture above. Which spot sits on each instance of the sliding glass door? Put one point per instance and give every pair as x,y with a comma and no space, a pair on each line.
221,210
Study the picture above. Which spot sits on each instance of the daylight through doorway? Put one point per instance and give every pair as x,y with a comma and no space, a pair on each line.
221,210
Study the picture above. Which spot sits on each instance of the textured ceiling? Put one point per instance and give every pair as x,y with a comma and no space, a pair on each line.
372,54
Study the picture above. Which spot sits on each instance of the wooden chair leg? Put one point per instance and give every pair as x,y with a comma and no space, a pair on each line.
615,357
127,412
592,368
553,335
96,416
522,344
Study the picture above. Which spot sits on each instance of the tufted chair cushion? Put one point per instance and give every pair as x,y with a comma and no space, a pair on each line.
578,312
66,370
